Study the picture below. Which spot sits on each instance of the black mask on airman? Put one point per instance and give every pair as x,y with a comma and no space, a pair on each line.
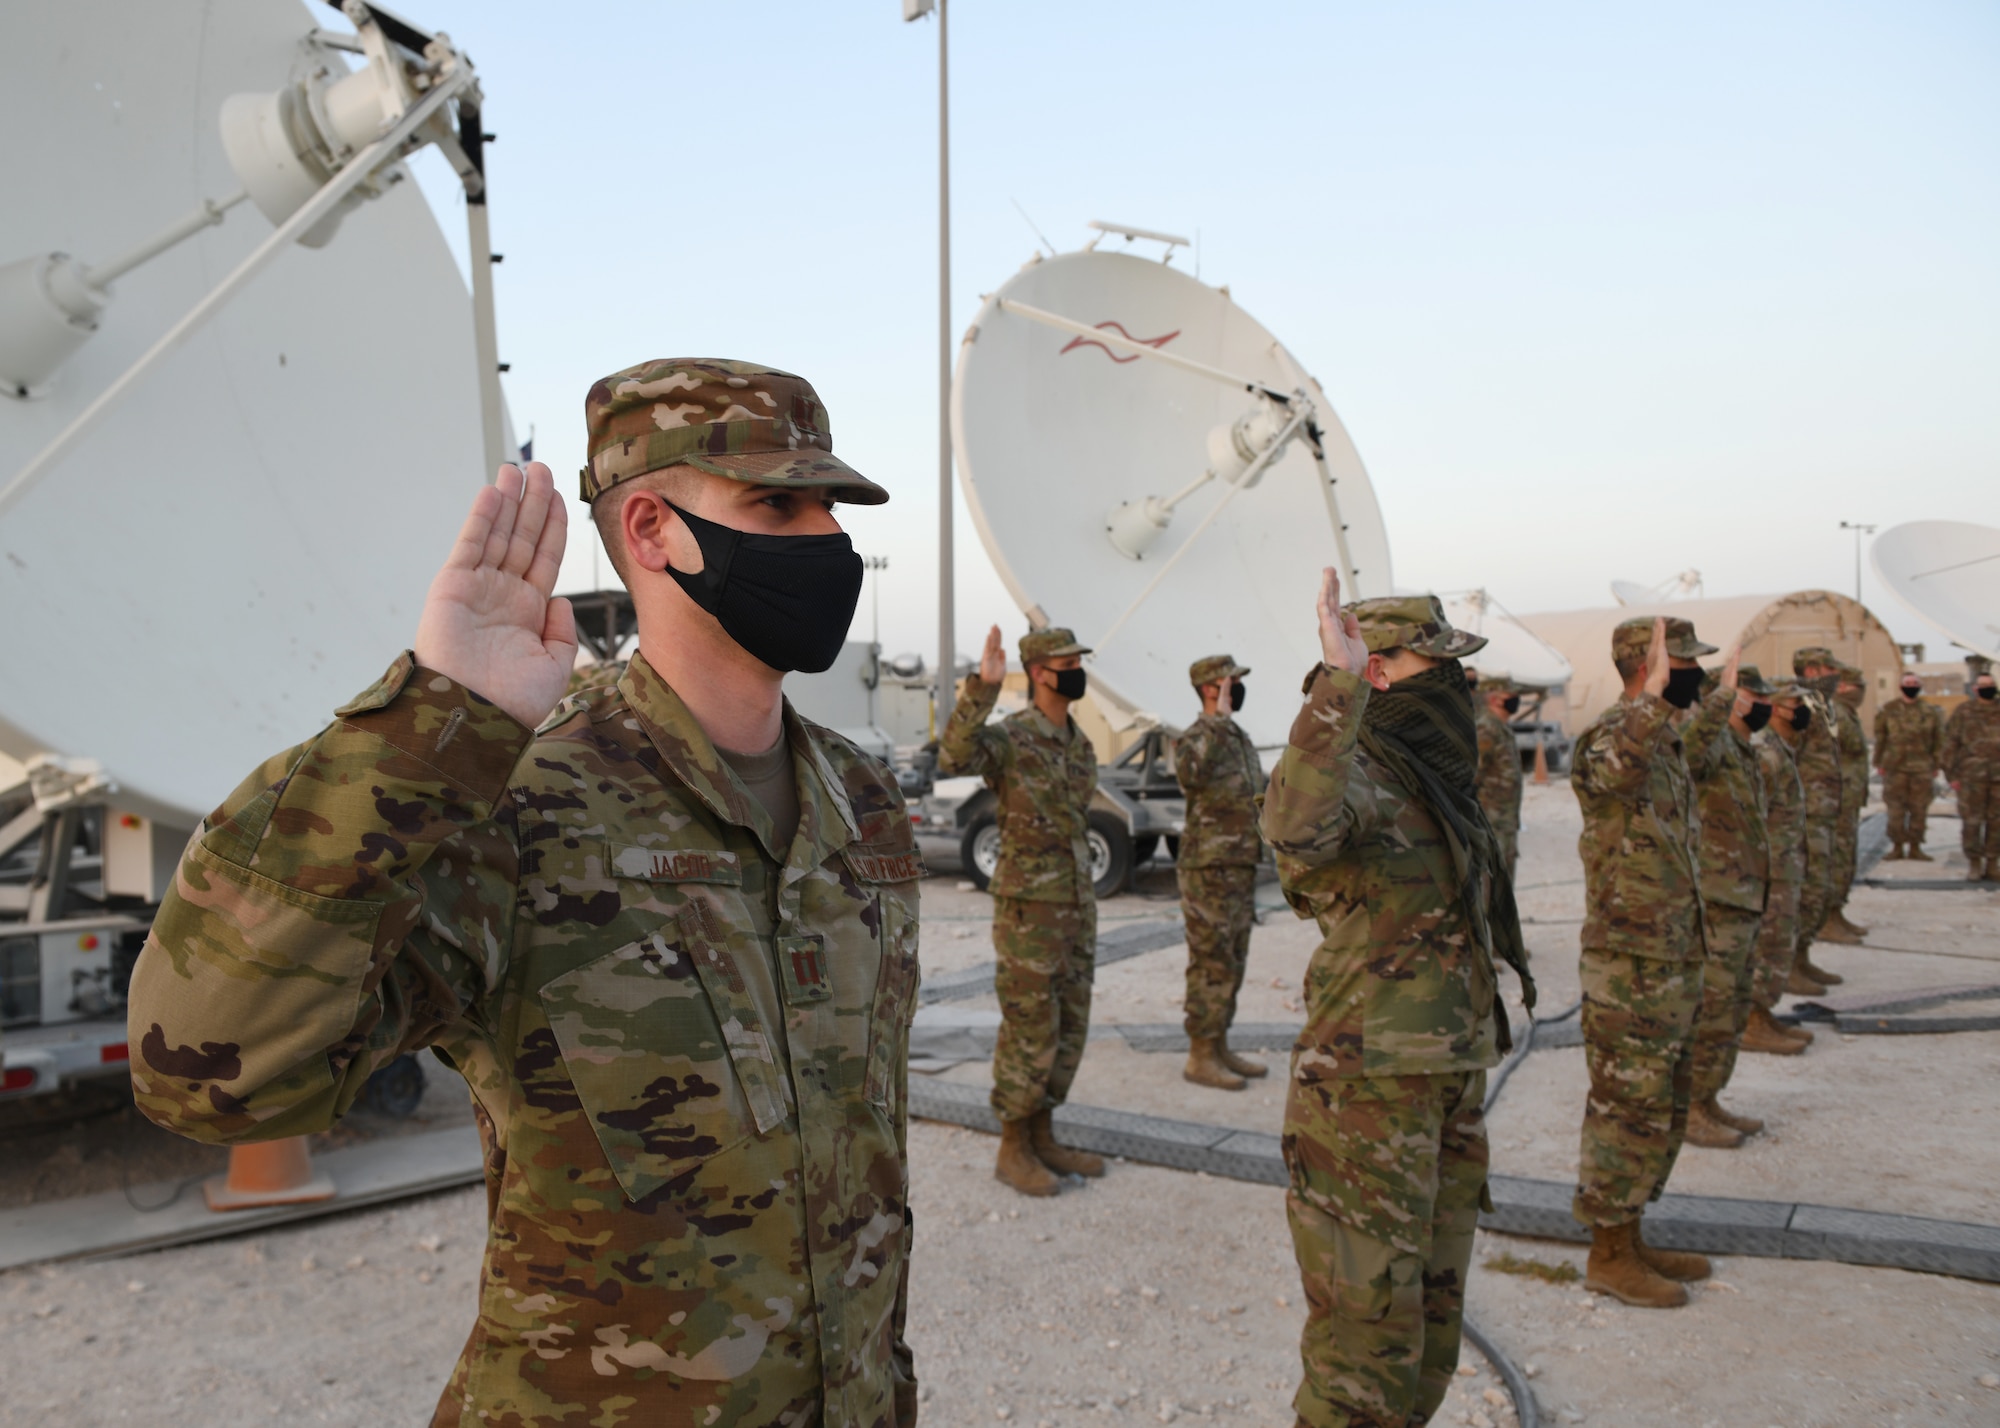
1512,704
1758,717
1683,686
1801,717
787,599
1070,683
1235,696
1911,691
1988,692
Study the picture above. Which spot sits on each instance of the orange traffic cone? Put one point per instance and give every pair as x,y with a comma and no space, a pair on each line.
1541,760
272,1172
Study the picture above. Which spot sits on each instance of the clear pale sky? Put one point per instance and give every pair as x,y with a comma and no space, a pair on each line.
1601,290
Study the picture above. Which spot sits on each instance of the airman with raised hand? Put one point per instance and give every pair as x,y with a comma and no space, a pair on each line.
1495,700
1642,957
1909,752
1043,772
1785,827
1853,745
1820,776
1223,781
669,936
1373,814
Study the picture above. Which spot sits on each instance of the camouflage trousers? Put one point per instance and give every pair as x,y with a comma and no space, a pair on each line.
1979,815
1846,856
1908,794
1727,976
1510,845
1217,908
1777,945
1387,1179
1638,1024
1047,958
1816,891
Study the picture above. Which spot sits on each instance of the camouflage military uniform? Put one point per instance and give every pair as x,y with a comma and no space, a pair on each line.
1909,749
1819,774
1785,825
1643,947
1853,744
1735,862
1972,761
1222,779
1044,906
1384,1132
686,1045
686,1049
1499,777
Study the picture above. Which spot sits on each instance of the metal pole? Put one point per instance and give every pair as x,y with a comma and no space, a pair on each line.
947,614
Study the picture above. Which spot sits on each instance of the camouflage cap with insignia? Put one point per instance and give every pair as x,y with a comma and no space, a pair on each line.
1851,674
1052,643
1412,622
1811,655
1748,679
1215,667
1633,639
1786,687
734,419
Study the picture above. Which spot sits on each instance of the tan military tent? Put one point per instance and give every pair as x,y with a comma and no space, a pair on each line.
1770,628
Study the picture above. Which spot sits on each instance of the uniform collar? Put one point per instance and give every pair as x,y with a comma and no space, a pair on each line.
1046,727
826,818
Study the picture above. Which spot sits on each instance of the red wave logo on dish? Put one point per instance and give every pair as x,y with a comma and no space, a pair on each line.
1156,342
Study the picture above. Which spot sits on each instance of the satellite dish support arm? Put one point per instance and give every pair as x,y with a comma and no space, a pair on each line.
1113,338
384,150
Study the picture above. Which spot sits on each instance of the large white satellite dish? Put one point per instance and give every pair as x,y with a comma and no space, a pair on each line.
245,538
1946,572
1512,649
1138,454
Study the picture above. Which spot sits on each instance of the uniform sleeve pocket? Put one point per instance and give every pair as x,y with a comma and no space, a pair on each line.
895,1003
649,1061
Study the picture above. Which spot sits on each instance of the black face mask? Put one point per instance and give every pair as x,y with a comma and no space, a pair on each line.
787,600
1988,692
1801,717
1069,682
1236,696
1683,686
1911,693
1512,704
1758,717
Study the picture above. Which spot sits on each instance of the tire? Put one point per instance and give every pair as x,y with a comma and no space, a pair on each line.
1110,854
1143,849
979,849
396,1090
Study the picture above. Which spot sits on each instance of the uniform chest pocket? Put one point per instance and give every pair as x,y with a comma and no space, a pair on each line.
653,1068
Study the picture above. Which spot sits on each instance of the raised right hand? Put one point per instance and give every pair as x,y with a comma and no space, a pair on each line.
993,659
1340,642
1657,665
490,621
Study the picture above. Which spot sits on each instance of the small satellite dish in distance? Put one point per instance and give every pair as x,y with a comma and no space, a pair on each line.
245,541
1685,586
1114,418
1512,648
1948,573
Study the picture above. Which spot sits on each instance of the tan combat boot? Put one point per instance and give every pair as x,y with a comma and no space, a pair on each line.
1815,972
1241,1065
1614,1268
1840,931
1798,984
1682,1266
1749,1125
1018,1166
1894,855
1763,1034
1062,1159
1918,855
1205,1068
1974,871
1711,1134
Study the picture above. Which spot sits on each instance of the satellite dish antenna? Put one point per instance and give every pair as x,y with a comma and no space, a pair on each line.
1512,648
1147,464
208,563
1685,586
1946,572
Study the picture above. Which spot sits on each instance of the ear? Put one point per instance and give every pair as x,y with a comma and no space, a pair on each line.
1377,673
655,537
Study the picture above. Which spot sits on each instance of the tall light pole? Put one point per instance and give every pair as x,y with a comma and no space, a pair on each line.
947,616
1859,531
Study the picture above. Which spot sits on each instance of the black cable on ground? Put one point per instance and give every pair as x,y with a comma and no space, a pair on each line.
1526,1410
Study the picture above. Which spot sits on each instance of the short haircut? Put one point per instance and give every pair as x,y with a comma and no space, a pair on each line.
1629,665
676,483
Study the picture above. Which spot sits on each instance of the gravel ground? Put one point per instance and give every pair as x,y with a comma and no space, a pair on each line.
1039,1312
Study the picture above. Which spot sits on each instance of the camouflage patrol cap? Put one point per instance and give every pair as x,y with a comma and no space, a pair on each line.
1052,643
1811,655
1851,674
1214,667
1786,687
734,419
1751,680
1633,639
1412,622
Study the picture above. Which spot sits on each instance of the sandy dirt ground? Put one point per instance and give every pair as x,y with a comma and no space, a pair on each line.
1155,1295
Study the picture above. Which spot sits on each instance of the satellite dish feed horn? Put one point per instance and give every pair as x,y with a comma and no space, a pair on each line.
456,78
